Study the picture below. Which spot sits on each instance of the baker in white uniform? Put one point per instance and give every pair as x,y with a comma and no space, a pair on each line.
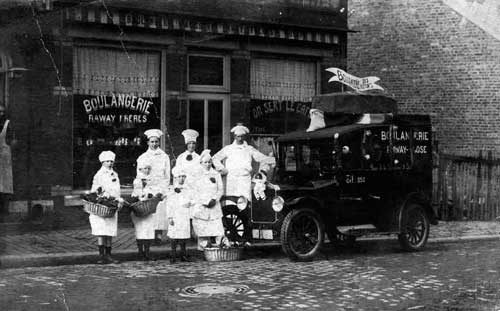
189,160
207,211
145,225
105,228
238,158
179,201
160,176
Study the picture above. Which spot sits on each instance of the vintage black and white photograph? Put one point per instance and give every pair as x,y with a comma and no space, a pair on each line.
255,155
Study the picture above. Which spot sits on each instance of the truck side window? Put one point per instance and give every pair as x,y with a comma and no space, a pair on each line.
350,150
375,148
290,159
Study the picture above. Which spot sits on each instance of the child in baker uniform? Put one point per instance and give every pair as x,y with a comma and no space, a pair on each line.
107,183
144,189
178,210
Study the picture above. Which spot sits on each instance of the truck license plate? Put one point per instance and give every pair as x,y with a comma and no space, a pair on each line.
264,234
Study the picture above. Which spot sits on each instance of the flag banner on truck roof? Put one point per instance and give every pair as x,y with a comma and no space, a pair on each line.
358,84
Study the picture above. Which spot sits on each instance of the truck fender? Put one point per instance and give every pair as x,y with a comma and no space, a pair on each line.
422,200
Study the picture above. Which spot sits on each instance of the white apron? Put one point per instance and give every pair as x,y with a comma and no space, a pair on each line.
178,208
144,226
160,171
207,222
6,184
110,183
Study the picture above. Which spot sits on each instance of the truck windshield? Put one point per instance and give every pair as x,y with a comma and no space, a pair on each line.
309,160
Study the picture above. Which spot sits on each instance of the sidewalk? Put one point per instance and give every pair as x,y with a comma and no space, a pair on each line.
74,246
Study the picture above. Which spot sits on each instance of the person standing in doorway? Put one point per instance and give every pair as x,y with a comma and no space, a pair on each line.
6,181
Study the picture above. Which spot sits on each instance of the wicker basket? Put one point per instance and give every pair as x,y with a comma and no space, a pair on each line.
99,209
145,208
223,254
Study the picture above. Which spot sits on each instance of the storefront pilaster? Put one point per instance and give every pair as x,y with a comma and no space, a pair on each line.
174,97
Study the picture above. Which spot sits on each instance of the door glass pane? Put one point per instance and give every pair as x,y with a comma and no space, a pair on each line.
196,117
214,125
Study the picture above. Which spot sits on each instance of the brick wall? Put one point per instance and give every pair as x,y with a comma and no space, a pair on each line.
432,60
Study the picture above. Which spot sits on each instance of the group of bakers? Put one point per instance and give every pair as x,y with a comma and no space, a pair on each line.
190,201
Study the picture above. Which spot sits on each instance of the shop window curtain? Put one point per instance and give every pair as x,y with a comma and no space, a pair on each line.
105,71
274,79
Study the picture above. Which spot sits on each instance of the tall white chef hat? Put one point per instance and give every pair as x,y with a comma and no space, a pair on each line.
178,171
190,135
153,133
205,154
107,156
240,129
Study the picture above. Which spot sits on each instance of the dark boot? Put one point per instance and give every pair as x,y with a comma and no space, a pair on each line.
157,241
140,249
147,254
173,254
102,259
184,256
108,257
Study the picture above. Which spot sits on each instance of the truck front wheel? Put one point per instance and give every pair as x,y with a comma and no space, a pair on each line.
302,234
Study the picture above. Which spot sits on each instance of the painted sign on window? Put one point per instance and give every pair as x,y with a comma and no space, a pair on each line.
278,117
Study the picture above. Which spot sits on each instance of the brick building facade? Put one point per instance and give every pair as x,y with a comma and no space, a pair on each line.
436,57
201,64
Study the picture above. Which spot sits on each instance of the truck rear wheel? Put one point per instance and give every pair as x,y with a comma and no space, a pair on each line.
302,234
414,230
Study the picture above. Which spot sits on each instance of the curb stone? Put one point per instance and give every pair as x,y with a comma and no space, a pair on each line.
71,258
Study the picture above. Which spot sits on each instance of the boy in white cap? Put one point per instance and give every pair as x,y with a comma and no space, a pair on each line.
238,158
179,202
144,188
189,160
160,175
105,228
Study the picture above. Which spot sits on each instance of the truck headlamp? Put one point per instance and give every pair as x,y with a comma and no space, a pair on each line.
242,203
278,203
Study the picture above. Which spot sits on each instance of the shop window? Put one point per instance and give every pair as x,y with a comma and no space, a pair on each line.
283,80
116,98
281,91
208,73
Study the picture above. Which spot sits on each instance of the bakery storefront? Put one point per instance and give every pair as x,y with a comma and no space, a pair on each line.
126,67
115,99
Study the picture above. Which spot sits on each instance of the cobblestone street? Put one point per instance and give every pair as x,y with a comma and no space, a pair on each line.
372,276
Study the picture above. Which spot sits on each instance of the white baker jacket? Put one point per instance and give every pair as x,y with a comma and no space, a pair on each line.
238,162
179,210
110,183
160,175
191,167
207,221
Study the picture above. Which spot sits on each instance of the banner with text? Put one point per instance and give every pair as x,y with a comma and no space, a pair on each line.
358,84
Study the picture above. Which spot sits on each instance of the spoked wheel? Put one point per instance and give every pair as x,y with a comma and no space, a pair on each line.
302,234
414,228
235,225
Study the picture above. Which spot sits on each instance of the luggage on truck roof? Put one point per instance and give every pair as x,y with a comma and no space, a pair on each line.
354,103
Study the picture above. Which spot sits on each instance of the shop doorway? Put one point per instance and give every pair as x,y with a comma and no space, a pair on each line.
209,115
